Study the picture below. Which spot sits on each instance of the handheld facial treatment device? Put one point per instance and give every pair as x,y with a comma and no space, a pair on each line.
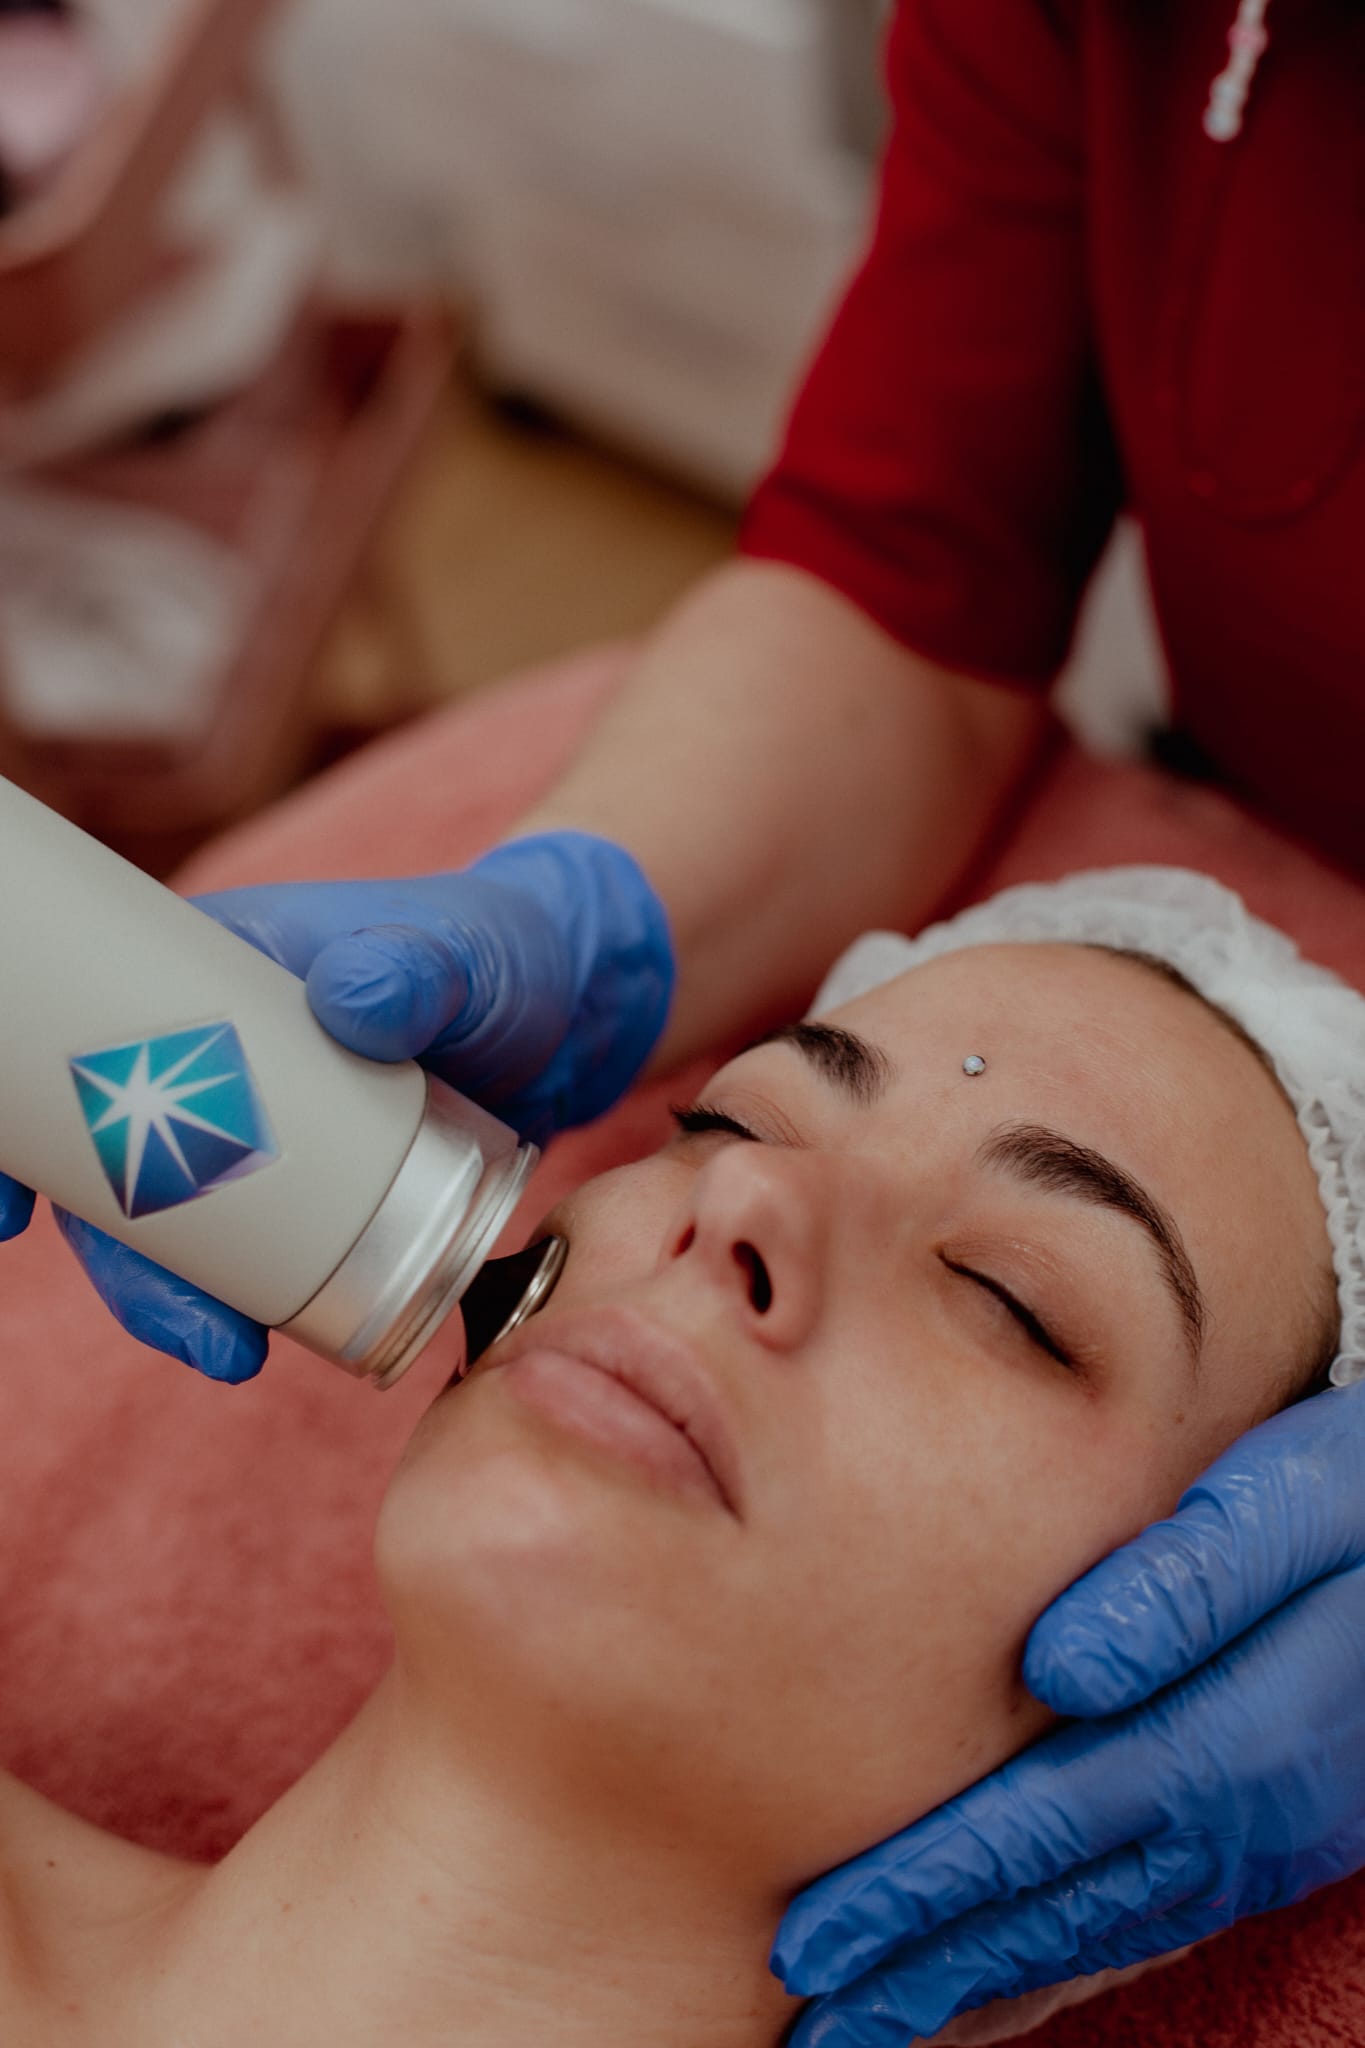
165,1081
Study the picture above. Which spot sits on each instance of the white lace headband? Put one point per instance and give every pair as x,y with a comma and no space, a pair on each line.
1309,1023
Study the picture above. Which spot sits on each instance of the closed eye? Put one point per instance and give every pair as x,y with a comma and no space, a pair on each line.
1037,1332
697,1118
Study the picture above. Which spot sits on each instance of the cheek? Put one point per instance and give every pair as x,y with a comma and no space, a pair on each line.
616,1227
959,1501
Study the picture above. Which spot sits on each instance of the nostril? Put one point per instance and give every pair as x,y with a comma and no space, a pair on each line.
687,1241
760,1286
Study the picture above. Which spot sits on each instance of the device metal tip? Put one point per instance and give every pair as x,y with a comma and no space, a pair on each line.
505,1292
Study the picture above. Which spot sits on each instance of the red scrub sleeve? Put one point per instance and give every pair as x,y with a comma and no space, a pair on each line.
949,464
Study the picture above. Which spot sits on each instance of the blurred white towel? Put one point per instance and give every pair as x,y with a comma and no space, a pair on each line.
115,622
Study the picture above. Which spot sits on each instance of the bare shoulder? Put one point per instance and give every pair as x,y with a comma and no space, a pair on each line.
71,1895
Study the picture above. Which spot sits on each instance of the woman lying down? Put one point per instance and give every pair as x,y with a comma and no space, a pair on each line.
721,1568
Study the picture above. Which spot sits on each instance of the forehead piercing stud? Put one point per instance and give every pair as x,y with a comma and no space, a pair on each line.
974,1064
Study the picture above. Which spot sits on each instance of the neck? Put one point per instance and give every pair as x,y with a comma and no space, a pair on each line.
408,1891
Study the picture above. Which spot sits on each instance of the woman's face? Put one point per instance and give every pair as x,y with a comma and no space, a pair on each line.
945,1342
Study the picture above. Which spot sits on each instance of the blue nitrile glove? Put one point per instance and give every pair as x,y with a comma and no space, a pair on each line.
1239,1787
536,981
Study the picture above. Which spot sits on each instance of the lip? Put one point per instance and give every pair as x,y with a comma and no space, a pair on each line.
657,1366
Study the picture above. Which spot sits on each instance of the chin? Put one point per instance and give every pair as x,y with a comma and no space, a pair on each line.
541,1633
547,1605
498,1536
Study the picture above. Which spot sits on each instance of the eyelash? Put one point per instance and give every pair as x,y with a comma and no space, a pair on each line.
697,1119
1036,1331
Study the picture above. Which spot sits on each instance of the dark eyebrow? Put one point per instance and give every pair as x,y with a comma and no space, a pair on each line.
1049,1160
860,1071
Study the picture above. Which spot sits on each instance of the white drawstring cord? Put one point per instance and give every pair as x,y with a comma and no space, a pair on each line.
1228,95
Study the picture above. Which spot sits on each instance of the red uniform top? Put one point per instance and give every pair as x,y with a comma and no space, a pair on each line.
1075,299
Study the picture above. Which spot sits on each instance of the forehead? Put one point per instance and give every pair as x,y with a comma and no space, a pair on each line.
1085,1028
1118,1059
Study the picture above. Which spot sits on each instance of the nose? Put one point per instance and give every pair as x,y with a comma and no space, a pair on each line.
755,1228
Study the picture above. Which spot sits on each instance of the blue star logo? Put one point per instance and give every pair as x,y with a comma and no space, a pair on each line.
173,1117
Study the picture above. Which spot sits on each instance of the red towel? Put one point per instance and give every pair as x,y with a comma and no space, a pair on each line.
187,1608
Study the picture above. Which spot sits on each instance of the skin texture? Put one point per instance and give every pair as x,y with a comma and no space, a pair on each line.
626,1720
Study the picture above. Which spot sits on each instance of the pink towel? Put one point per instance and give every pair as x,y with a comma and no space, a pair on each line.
187,1606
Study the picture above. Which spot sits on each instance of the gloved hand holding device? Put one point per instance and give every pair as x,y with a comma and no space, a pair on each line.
537,982
1215,1767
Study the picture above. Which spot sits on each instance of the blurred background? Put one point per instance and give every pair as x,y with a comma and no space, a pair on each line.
352,356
